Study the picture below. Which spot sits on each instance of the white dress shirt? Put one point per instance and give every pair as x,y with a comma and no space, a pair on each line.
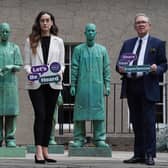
141,54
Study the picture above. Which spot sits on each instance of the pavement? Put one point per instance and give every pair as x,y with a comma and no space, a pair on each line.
64,161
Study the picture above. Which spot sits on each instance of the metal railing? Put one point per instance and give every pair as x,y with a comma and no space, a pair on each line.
117,113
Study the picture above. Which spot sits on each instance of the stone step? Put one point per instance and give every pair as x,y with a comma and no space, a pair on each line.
12,151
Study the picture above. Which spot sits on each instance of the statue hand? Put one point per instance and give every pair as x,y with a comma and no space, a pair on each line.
107,91
72,91
11,68
1,73
60,100
16,68
5,70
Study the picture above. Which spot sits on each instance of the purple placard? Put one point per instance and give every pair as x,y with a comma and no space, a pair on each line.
50,79
45,73
39,69
33,77
126,58
55,67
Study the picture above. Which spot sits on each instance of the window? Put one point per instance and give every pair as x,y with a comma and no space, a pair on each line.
65,112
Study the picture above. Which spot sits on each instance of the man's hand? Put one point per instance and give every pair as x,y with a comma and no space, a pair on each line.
121,70
72,91
153,68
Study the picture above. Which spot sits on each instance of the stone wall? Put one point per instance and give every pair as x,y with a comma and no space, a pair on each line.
114,20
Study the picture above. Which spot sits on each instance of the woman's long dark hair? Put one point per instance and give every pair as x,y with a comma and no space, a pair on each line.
35,35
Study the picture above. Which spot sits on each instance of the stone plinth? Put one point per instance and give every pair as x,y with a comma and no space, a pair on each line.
12,152
90,151
56,149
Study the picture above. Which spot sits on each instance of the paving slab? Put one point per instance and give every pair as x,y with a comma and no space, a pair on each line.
64,161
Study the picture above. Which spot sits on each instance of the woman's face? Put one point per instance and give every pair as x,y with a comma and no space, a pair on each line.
45,23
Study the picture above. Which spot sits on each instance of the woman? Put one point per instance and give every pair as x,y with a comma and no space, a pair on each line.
43,47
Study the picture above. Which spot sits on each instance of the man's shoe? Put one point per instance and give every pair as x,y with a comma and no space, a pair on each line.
11,144
150,161
135,159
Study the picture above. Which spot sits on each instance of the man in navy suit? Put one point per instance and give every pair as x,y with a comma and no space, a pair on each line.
142,89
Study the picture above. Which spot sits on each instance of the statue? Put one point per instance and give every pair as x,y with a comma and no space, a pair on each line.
10,63
55,117
90,82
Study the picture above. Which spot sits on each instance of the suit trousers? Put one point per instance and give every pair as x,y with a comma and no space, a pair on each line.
44,102
142,117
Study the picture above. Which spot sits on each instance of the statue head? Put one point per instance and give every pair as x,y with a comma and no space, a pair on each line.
4,31
90,32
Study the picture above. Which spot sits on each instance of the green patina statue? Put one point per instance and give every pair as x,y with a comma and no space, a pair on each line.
10,63
55,117
90,82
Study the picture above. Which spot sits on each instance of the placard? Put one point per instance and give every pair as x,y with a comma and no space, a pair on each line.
137,68
126,58
45,74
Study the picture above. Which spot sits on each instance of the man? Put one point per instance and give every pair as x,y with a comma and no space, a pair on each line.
10,63
142,89
90,81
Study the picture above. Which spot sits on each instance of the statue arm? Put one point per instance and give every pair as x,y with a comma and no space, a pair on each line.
12,68
106,73
18,62
27,56
74,71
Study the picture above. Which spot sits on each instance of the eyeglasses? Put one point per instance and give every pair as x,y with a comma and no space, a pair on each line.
141,22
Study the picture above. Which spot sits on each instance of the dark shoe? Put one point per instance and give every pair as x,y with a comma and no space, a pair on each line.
150,161
39,161
50,160
135,160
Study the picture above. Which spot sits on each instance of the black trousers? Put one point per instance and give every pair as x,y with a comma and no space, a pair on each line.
142,116
44,101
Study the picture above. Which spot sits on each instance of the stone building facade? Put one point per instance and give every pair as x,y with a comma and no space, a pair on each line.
114,20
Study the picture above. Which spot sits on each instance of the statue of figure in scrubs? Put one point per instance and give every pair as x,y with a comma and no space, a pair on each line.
10,63
52,140
90,83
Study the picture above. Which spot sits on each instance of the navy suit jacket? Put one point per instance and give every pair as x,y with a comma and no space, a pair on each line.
155,54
